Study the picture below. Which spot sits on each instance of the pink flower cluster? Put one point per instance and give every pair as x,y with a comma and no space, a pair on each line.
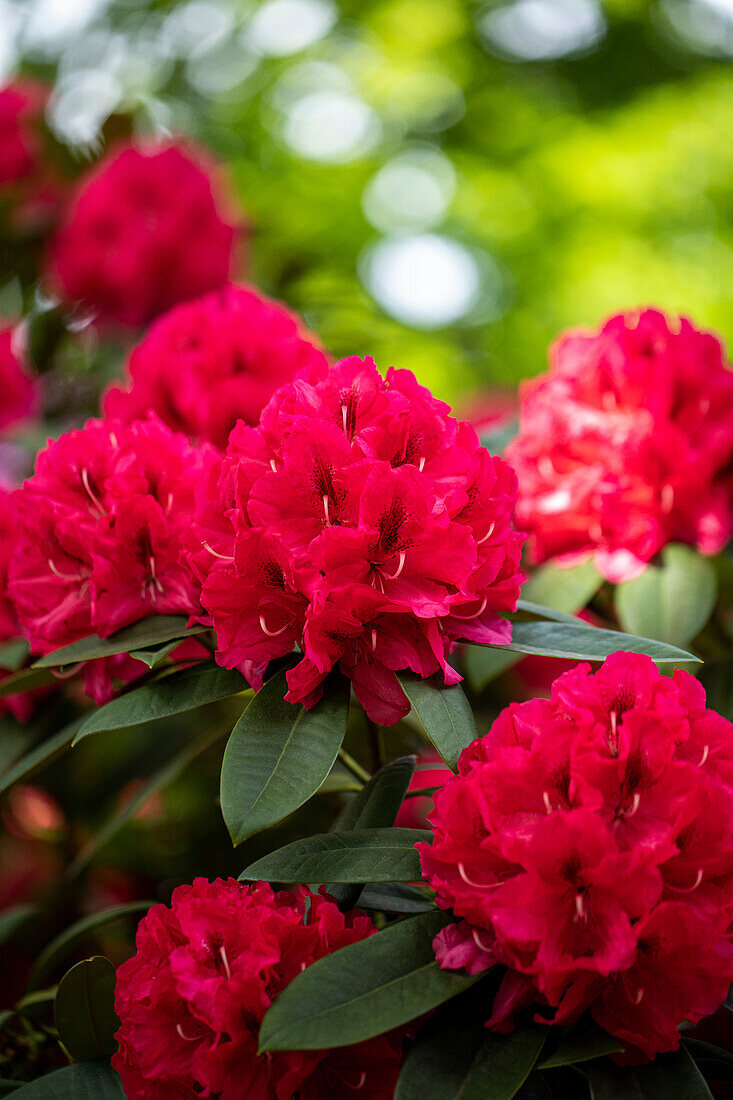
364,524
145,231
213,361
192,999
627,445
18,387
105,527
587,843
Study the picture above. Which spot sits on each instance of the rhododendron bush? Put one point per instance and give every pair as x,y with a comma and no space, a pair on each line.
370,751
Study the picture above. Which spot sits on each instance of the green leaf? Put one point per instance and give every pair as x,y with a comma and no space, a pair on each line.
174,694
40,756
483,665
364,989
375,806
148,632
541,611
395,898
28,679
84,1009
580,1043
152,656
672,600
62,946
163,777
669,1075
503,1064
279,754
364,855
83,1081
445,714
579,642
13,654
14,918
378,802
564,589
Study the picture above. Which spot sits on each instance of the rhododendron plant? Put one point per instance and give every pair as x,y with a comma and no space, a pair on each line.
213,361
18,387
626,444
147,229
104,525
191,1000
587,845
29,187
363,523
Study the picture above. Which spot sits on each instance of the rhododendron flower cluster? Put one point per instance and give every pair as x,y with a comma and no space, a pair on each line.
105,527
192,999
18,387
363,523
145,231
213,361
19,705
587,843
27,185
627,445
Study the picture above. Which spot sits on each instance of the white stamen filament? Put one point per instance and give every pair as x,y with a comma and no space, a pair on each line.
634,805
614,730
169,502
639,995
488,535
325,509
186,1038
85,482
215,553
546,800
344,415
421,464
225,960
705,754
477,940
475,614
579,907
272,633
113,439
65,576
400,567
374,640
273,465
476,885
688,889
67,673
362,1081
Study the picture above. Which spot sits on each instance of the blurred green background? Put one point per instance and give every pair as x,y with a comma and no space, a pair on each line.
441,184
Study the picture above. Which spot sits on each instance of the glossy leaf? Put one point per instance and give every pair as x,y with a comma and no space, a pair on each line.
672,600
279,754
564,589
13,654
83,1081
483,665
152,656
394,898
579,642
174,694
14,918
580,1043
445,714
66,942
28,679
669,1075
364,989
84,1009
364,855
148,632
445,1049
40,756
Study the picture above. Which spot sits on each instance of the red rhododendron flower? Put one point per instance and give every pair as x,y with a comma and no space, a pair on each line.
362,522
430,772
192,999
587,843
21,706
105,530
145,232
627,445
19,392
28,188
213,361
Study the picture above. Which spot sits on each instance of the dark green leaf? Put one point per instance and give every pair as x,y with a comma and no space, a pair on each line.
395,898
279,754
483,665
610,1082
148,632
364,855
41,755
13,654
160,779
83,1081
579,642
580,1043
445,1049
668,1076
563,589
84,1009
503,1064
174,694
364,989
14,918
152,656
64,944
376,805
445,714
28,679
672,599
